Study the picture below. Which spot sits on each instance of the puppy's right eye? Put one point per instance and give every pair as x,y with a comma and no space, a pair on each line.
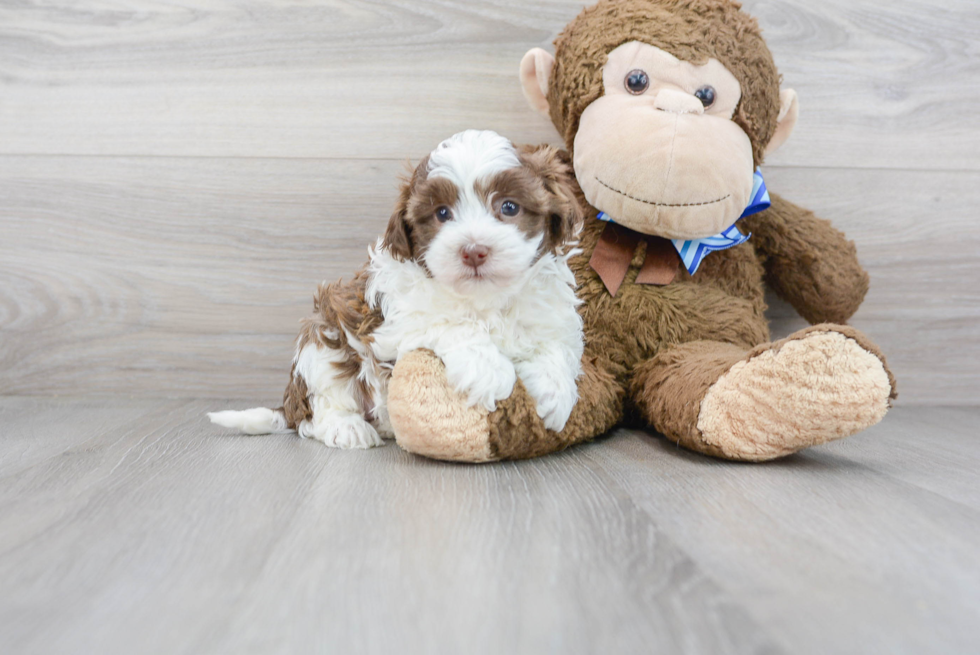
444,214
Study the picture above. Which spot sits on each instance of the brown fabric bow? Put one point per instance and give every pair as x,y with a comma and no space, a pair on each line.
613,253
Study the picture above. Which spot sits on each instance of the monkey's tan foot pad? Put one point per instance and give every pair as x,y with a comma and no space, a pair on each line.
431,418
820,384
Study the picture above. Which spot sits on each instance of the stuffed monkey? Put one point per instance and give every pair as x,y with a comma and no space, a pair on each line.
667,109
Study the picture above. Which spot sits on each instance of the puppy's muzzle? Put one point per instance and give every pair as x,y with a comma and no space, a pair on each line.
474,255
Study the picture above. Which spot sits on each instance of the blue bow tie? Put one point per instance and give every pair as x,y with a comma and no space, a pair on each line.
693,251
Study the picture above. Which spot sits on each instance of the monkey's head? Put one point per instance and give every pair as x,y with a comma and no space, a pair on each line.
667,107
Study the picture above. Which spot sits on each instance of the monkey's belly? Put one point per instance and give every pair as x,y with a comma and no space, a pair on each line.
724,302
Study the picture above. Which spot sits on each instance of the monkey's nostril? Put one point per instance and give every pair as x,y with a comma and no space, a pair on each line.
474,255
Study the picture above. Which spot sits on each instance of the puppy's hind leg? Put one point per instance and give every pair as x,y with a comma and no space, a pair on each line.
340,429
335,402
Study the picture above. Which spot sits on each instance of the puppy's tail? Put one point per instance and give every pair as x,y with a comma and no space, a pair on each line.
258,420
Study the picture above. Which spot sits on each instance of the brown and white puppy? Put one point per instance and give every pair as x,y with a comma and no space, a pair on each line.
473,266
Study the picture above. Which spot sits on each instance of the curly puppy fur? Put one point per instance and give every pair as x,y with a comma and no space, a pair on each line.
474,266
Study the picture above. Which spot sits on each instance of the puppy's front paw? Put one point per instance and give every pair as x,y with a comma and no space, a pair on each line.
554,395
483,376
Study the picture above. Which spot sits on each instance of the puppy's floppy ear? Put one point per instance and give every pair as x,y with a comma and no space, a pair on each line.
554,167
398,236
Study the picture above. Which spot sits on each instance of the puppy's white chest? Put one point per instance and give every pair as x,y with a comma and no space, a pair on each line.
404,331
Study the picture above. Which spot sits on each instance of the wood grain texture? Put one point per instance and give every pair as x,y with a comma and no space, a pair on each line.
186,277
163,535
176,538
158,162
865,545
883,83
33,432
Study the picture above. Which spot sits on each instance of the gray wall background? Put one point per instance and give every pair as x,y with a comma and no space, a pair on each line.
176,178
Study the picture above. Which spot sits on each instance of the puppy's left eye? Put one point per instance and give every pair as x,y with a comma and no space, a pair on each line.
510,208
444,214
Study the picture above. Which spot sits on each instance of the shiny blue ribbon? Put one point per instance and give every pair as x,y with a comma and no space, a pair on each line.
693,251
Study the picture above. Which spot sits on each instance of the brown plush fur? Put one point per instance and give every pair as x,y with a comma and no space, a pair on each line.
516,432
657,351
808,263
668,388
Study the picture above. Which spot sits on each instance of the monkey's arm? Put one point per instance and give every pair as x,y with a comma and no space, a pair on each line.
809,264
430,417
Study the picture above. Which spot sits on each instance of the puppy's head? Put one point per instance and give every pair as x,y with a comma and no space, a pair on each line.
478,211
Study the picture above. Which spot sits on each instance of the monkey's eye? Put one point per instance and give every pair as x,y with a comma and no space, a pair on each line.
706,94
510,208
444,214
637,82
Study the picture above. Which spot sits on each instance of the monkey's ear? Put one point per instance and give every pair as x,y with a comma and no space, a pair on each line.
398,236
789,112
536,70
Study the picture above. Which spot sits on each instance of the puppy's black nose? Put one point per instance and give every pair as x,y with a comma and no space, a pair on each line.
474,255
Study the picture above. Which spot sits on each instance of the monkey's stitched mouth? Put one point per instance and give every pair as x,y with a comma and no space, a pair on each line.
662,204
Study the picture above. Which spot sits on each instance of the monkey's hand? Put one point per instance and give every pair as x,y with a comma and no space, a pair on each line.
809,264
430,417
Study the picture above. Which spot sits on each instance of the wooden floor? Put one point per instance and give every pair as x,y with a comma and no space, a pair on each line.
134,527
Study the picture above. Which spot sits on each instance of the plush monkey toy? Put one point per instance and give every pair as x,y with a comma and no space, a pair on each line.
667,108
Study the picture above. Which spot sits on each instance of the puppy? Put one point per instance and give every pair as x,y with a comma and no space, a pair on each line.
473,266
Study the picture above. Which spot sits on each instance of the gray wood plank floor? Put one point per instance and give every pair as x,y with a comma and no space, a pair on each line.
133,526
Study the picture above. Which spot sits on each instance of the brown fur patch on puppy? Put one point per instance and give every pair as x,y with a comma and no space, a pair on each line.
398,235
430,195
414,225
296,401
339,310
542,187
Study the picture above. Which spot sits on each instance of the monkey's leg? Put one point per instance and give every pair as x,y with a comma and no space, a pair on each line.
430,418
822,383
